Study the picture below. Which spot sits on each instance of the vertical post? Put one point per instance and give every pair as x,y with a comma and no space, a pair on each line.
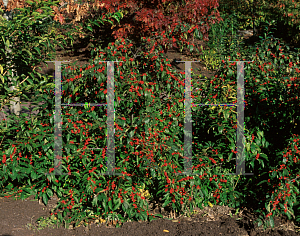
57,121
110,118
15,104
240,160
240,157
240,119
187,120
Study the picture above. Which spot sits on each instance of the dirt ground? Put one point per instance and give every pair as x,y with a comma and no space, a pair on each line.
18,217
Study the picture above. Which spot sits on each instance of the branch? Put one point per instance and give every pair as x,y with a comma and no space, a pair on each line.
294,179
3,137
60,8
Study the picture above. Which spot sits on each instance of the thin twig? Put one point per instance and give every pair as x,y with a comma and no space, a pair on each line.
294,179
2,140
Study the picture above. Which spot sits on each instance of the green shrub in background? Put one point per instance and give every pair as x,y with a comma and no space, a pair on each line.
29,39
285,13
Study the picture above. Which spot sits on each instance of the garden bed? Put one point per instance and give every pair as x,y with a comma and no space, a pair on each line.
215,220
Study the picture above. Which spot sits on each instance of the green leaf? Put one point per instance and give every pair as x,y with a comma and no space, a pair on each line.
38,50
291,212
76,89
230,156
7,44
259,222
46,8
49,192
271,221
290,202
33,175
257,141
288,214
89,28
119,14
202,196
268,207
262,182
205,192
45,199
95,23
110,205
166,203
29,2
285,172
2,79
101,21
117,205
29,53
252,147
116,17
112,23
95,201
130,135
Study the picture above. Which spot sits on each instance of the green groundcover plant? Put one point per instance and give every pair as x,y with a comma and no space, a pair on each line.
149,136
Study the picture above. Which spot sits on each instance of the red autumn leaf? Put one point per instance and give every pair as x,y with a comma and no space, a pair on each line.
61,18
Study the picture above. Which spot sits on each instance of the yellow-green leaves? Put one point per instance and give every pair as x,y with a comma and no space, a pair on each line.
1,73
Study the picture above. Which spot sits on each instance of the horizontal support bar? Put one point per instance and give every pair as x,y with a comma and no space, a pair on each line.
214,104
82,104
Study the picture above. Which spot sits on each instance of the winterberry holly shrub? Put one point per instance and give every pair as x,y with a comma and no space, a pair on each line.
271,115
149,137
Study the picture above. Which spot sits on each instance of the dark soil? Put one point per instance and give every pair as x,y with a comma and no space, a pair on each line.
19,217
